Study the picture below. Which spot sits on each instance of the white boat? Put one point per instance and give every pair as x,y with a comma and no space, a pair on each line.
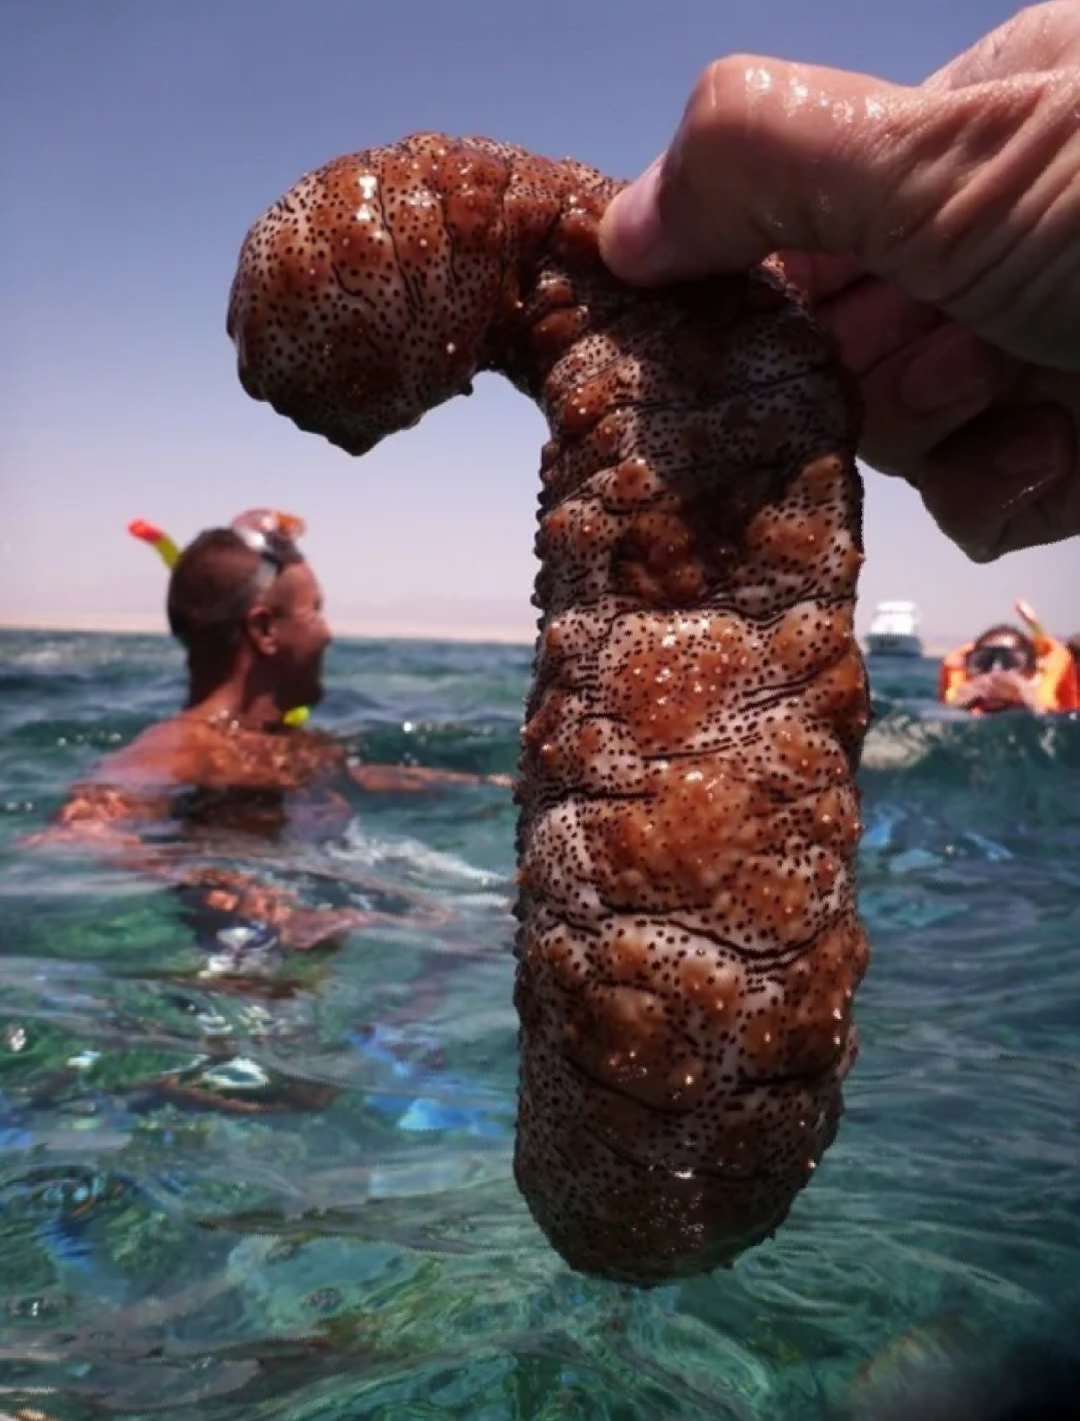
894,630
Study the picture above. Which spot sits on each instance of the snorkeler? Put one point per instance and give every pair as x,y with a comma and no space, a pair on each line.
246,606
1008,669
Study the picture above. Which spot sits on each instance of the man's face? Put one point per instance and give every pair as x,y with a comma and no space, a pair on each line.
301,635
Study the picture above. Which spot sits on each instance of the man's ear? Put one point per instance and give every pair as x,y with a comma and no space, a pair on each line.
259,628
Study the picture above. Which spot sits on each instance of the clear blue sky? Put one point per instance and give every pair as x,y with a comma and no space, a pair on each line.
140,138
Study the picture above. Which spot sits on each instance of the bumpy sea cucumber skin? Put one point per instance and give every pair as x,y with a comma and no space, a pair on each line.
688,943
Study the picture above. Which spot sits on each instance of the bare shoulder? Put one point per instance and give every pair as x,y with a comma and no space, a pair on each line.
126,786
187,751
167,753
218,757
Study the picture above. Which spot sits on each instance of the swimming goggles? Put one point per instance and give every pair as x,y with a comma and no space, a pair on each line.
272,534
995,656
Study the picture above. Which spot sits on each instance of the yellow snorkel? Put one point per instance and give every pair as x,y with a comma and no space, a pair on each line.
169,553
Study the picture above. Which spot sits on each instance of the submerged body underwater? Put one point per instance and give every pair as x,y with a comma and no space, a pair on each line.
240,1182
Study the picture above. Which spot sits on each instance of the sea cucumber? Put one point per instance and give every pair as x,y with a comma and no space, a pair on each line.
688,944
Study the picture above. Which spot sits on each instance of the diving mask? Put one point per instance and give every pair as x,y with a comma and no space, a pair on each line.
271,533
996,656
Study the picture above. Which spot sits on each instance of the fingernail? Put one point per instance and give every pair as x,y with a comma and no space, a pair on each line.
1030,459
953,370
1026,466
633,241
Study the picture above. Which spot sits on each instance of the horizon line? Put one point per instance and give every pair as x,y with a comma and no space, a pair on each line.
373,629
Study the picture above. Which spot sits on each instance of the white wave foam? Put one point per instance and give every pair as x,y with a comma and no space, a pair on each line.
411,858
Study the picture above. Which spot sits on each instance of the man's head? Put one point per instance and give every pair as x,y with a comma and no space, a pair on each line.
249,613
1002,648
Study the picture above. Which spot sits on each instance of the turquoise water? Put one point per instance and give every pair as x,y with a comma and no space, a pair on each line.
289,1196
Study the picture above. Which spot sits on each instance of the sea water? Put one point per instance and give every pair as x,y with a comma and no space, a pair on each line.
285,1191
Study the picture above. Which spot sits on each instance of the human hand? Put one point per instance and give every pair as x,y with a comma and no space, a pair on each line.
933,230
302,929
296,926
997,690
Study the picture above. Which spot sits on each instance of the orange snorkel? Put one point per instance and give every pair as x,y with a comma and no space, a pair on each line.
169,553
1038,633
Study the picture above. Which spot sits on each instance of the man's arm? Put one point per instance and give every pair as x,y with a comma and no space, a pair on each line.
414,779
105,820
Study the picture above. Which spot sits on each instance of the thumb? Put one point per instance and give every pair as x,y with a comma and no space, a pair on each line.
773,156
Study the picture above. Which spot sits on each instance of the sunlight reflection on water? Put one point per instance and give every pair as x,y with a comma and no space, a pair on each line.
242,1187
